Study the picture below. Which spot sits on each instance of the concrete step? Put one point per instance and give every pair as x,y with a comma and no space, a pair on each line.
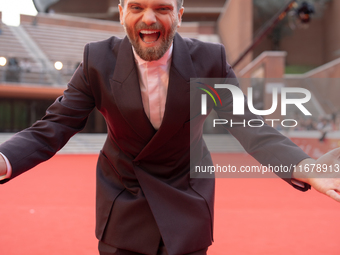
78,144
93,143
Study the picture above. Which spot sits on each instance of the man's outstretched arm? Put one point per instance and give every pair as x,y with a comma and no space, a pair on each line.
64,118
322,174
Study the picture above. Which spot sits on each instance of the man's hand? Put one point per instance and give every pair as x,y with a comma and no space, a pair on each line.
322,174
3,167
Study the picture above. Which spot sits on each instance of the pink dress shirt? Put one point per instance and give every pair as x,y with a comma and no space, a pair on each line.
153,82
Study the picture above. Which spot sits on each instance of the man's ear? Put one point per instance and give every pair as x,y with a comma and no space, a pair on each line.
180,14
121,14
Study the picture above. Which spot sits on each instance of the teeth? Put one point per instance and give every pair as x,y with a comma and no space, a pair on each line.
148,32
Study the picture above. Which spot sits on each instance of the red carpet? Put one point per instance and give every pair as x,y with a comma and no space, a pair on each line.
50,211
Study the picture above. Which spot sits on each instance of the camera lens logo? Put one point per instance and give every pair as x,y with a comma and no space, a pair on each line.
204,97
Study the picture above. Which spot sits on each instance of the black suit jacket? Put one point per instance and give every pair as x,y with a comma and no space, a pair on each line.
144,190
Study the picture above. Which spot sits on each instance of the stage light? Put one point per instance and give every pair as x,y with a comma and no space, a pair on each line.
304,12
58,65
301,16
3,61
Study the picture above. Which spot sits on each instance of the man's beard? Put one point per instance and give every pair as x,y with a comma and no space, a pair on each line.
151,53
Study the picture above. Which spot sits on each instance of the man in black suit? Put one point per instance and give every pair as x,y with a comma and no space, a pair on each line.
146,201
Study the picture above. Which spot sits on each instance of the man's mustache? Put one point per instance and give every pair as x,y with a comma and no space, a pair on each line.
155,26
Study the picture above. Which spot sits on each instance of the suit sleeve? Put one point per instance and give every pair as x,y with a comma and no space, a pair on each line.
64,118
265,144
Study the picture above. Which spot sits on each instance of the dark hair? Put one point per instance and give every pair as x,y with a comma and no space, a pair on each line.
179,3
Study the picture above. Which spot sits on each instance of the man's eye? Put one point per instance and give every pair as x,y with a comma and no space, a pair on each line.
164,9
135,8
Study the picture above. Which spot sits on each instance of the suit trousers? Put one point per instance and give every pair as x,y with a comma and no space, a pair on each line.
105,249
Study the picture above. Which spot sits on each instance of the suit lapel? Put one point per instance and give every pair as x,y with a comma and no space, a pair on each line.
177,107
127,94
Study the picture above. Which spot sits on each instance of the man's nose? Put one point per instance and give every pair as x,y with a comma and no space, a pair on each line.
149,17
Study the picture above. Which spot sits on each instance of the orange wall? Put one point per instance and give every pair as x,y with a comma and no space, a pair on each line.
332,30
306,46
235,28
314,46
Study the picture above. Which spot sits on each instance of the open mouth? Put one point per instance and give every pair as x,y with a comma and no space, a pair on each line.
149,36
